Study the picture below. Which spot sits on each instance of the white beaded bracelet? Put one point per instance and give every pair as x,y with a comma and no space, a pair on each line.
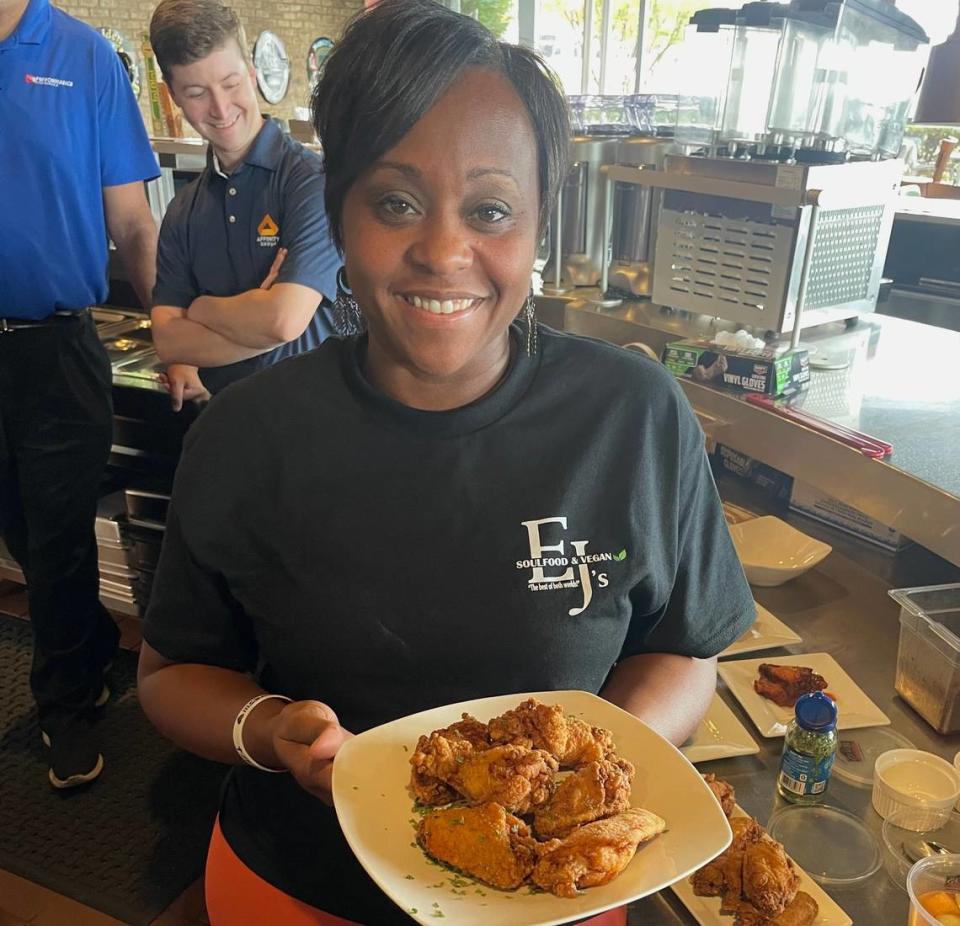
238,730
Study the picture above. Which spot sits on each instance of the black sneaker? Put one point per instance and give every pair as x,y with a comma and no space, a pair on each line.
74,756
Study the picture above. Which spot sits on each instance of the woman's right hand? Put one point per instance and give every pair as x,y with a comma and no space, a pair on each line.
306,737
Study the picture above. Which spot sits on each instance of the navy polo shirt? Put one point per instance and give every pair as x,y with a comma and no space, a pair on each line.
69,126
221,234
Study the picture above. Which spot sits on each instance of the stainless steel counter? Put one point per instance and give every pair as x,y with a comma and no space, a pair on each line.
899,385
933,211
842,609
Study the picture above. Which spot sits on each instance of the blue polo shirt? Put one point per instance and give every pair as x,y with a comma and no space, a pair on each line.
221,234
69,126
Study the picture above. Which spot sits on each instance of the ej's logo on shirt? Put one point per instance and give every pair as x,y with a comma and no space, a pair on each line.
577,567
268,232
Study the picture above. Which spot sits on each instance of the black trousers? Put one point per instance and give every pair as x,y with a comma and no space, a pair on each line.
56,420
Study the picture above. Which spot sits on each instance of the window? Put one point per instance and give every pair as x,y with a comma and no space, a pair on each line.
663,35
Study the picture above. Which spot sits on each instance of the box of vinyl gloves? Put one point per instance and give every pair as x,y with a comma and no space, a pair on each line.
739,361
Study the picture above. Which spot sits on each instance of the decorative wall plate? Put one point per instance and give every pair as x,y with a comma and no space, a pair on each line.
129,56
316,58
272,66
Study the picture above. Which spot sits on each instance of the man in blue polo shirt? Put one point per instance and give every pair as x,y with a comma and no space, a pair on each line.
245,256
73,158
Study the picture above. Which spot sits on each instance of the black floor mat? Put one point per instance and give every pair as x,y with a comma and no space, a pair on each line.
133,841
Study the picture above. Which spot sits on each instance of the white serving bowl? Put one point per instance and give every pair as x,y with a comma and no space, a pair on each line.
913,780
773,552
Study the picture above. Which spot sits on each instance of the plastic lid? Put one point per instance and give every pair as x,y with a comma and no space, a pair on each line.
858,751
832,846
711,20
816,711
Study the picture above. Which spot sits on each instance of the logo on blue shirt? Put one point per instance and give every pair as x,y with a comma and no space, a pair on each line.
47,81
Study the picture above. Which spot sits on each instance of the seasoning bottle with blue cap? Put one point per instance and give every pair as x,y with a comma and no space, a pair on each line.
809,748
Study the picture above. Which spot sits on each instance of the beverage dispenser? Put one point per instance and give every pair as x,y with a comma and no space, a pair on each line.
635,208
576,222
868,67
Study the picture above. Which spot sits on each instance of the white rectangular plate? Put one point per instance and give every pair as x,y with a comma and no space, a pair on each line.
706,910
375,810
719,736
767,632
854,708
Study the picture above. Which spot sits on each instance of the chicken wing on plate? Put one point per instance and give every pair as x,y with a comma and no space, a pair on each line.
802,911
770,880
485,842
544,726
785,684
594,791
594,854
438,755
517,777
723,876
433,762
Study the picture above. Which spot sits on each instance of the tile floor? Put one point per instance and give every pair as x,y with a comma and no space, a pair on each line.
22,902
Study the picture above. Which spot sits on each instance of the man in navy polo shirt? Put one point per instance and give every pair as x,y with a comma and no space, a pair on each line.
245,256
73,158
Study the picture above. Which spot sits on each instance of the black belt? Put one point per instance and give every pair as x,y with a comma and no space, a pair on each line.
8,325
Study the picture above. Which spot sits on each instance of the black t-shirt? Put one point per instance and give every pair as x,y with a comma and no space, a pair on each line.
386,560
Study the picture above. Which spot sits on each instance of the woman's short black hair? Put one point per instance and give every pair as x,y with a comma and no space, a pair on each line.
393,62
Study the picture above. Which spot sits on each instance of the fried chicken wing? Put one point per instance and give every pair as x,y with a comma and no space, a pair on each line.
517,777
433,762
594,854
723,791
785,684
437,756
801,911
485,842
594,791
544,726
770,880
723,877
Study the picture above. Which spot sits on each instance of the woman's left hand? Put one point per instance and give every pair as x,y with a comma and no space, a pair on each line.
306,737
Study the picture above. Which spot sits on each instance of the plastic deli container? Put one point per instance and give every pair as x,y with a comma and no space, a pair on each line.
928,658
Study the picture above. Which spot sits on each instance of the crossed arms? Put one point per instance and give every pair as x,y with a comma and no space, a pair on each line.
216,330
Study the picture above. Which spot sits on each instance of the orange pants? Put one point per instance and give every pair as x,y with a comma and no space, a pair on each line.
237,896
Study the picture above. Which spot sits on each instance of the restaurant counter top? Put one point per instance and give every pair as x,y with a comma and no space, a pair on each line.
841,608
897,381
927,209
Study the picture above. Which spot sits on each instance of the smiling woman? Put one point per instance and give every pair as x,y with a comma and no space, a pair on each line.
454,503
437,196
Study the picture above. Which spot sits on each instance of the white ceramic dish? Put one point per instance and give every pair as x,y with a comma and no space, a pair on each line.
911,779
374,807
719,736
706,910
855,709
767,632
773,552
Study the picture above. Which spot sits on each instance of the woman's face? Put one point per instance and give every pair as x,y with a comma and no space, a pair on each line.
439,241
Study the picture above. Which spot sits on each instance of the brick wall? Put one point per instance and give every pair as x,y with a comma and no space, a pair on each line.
297,24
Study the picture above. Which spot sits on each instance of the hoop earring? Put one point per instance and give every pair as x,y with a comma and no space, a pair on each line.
529,312
347,316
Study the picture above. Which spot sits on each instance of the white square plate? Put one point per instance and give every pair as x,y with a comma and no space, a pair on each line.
375,810
767,632
854,708
719,736
706,910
